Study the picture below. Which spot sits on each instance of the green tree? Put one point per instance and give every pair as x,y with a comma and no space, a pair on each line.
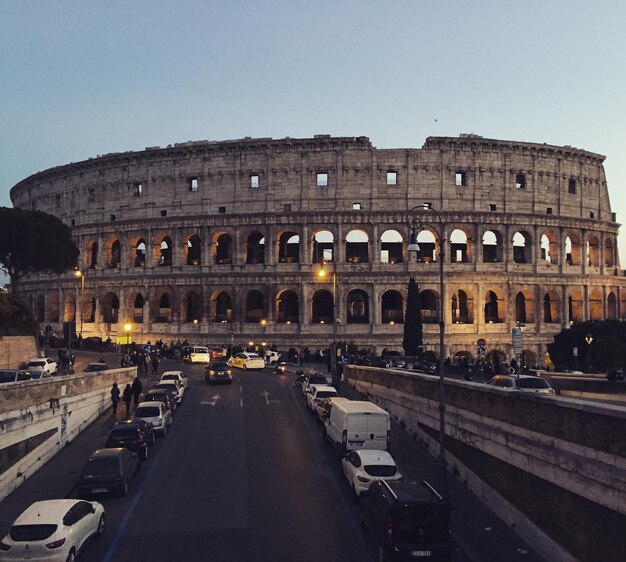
413,341
34,241
15,317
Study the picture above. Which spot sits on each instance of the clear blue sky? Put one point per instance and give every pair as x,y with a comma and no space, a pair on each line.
82,78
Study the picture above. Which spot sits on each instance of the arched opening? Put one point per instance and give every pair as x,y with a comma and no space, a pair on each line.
611,306
164,310
429,303
357,247
323,246
522,247
255,248
165,252
459,247
255,307
549,248
551,308
520,308
194,250
110,308
223,307
392,308
595,306
575,306
593,251
69,307
322,307
609,253
358,307
138,305
492,312
427,244
223,249
289,248
89,308
492,246
140,253
287,308
462,308
115,254
391,247
572,250
91,257
192,307
54,308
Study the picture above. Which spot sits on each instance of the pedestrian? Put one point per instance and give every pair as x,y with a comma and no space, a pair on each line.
127,397
115,397
137,388
155,366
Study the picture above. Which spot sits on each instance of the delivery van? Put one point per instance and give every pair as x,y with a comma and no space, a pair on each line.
357,424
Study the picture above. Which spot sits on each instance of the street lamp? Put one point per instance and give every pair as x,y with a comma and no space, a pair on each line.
413,246
127,329
333,348
81,274
589,340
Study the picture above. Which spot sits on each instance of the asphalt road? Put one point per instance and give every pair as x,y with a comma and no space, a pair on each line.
243,475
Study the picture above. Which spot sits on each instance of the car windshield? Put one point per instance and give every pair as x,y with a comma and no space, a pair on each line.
32,533
380,470
101,467
169,378
532,383
318,380
421,523
156,397
147,412
36,364
123,433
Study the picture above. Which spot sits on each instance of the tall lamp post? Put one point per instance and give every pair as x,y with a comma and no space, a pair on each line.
128,328
416,225
81,274
589,340
333,348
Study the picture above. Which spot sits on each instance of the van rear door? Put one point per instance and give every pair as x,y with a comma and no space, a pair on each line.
377,431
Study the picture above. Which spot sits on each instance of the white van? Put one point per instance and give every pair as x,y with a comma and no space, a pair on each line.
199,355
356,424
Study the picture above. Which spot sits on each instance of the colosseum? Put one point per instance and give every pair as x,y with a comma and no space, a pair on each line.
220,242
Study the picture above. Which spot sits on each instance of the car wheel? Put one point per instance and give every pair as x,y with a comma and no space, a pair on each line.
101,526
71,555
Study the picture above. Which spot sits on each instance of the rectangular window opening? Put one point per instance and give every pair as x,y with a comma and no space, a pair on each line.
221,210
193,184
138,189
520,181
460,178
287,208
592,215
392,178
492,207
356,206
163,213
113,218
571,187
254,181
322,179
549,211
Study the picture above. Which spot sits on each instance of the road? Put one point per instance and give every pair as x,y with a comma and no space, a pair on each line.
243,475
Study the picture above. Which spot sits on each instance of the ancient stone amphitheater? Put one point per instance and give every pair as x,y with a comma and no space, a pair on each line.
224,241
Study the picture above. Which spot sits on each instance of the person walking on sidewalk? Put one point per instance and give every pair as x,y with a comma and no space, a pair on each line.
115,397
137,387
155,366
127,396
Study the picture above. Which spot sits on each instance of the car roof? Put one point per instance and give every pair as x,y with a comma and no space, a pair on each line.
369,456
408,492
109,453
172,373
325,387
127,423
163,391
45,512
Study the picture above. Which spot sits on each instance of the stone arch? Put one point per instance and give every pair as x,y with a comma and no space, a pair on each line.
391,247
493,307
112,252
138,252
427,244
138,308
222,248
110,307
357,246
593,250
164,306
492,246
522,247
91,255
429,303
88,303
222,306
575,307
595,305
392,308
289,247
524,309
255,306
462,306
193,250
549,247
323,244
54,308
609,253
69,307
255,248
163,250
191,307
322,307
287,307
460,246
572,249
611,306
551,308
357,307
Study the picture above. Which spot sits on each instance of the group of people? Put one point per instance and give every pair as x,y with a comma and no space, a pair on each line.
131,393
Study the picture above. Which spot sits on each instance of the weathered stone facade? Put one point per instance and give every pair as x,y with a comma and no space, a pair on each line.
223,241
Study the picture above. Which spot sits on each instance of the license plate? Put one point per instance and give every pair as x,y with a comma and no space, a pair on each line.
356,442
421,553
99,490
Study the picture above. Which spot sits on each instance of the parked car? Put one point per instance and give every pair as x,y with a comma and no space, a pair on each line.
96,368
408,521
47,366
427,367
525,383
14,375
198,354
362,468
246,360
317,394
108,470
135,435
161,395
218,372
173,385
53,530
155,413
272,357
312,380
324,407
175,376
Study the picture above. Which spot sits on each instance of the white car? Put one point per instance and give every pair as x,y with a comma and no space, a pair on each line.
313,380
53,530
199,354
155,413
365,466
525,383
175,376
173,385
317,394
272,357
45,365
246,360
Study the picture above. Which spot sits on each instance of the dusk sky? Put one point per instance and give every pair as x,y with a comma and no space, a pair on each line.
83,78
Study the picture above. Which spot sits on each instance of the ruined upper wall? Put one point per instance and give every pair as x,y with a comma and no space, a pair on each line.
209,178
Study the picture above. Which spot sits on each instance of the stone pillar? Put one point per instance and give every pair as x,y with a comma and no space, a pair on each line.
306,245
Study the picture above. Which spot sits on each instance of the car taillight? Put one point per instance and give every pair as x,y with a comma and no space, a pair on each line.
55,544
4,547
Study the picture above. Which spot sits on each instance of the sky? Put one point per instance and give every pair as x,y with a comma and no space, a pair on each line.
83,78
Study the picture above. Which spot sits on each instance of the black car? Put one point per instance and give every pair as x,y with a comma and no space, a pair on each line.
161,395
96,368
408,521
218,372
135,435
108,470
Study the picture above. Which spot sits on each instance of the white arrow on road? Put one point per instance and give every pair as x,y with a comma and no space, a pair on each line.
267,398
212,401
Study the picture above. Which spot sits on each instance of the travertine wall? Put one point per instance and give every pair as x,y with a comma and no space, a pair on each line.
15,351
526,231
